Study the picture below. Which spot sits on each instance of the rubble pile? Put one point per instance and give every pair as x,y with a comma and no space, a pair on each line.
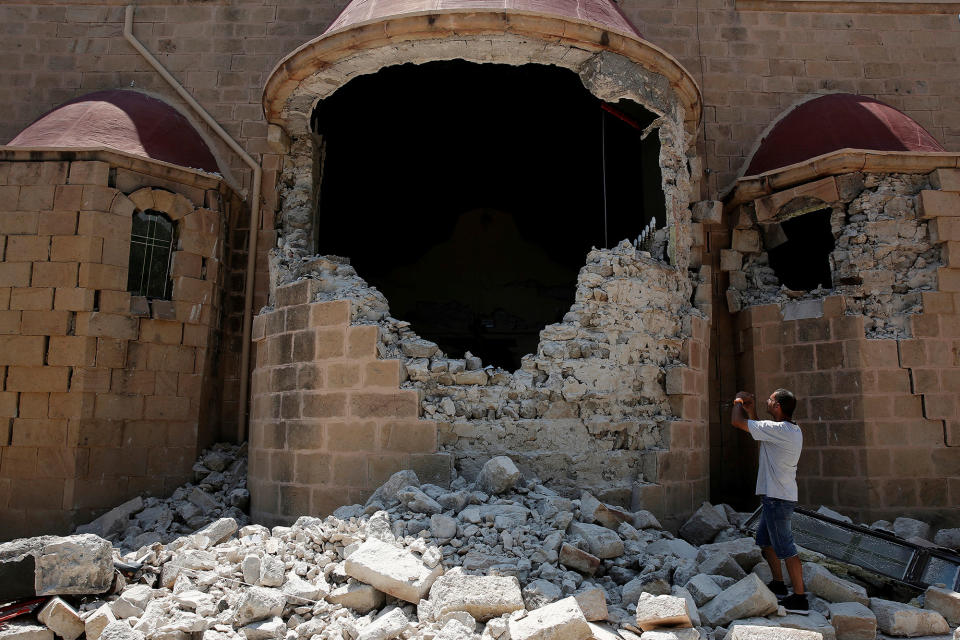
219,491
503,558
882,260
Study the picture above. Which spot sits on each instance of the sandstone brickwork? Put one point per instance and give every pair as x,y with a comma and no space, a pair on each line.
105,395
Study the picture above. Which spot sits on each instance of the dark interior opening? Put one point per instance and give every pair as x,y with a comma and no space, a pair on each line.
470,194
803,262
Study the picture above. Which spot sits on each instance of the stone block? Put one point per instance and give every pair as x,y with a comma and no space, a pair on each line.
358,596
744,550
946,602
61,618
386,626
593,603
483,597
24,630
579,560
910,527
721,564
561,620
662,612
853,621
748,597
938,204
703,588
603,542
821,582
98,621
899,619
757,632
498,475
705,523
708,211
730,260
946,179
259,603
746,241
392,570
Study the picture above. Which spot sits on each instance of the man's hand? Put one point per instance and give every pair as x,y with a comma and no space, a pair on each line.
743,410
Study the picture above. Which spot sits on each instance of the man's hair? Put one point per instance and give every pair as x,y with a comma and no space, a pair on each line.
786,400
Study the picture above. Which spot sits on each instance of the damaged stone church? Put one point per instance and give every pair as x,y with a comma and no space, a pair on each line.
384,234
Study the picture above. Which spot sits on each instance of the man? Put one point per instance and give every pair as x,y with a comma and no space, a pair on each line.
780,442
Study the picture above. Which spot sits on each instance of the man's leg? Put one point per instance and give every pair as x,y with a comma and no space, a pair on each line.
795,569
771,557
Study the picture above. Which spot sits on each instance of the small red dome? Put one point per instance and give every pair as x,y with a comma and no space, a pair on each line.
123,120
602,12
838,121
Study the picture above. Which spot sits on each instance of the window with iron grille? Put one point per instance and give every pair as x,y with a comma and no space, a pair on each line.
151,250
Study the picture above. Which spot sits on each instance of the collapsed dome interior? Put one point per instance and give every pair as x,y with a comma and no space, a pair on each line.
470,194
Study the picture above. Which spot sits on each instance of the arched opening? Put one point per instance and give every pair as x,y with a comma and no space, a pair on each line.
470,194
152,241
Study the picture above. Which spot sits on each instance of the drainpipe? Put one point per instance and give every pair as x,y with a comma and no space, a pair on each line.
254,213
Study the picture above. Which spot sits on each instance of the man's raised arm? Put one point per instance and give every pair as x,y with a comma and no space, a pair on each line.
743,410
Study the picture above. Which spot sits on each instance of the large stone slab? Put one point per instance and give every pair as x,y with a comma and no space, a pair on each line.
393,570
747,597
811,621
946,602
662,612
483,597
603,542
561,620
53,565
853,621
899,619
821,582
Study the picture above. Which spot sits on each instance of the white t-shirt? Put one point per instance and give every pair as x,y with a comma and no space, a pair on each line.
780,446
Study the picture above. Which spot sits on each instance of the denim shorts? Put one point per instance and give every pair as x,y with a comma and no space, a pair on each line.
773,530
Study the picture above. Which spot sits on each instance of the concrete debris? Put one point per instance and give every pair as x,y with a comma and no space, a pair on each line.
499,560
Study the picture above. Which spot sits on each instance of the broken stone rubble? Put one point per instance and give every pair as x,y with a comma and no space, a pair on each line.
375,573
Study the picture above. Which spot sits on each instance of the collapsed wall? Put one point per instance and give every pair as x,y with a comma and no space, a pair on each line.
872,356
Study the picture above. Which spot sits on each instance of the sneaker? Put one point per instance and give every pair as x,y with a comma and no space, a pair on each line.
779,589
796,603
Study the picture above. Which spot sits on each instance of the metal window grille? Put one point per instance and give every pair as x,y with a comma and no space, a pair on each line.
151,251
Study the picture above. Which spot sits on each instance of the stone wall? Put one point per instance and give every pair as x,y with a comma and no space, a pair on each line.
328,421
752,58
105,395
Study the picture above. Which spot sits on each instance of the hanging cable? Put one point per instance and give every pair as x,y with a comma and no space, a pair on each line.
603,153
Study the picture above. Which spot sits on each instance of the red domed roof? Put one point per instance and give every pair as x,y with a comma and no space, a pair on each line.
838,121
123,120
602,12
